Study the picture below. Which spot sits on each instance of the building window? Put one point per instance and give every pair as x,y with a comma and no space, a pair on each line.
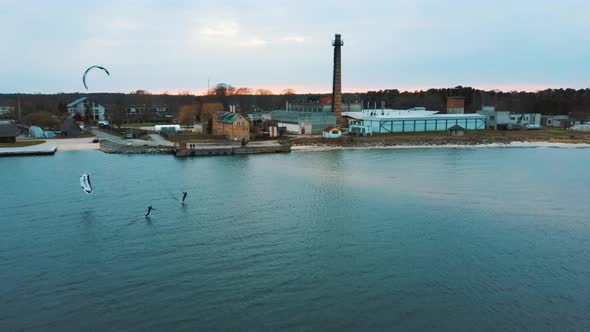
492,118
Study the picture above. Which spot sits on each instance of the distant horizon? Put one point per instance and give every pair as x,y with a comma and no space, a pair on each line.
310,91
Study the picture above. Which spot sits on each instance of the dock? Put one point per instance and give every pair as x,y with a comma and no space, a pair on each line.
35,150
202,150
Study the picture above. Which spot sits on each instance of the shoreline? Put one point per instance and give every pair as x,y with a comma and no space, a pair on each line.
511,145
326,147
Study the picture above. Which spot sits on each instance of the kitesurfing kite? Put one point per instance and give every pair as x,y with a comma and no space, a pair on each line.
88,70
85,183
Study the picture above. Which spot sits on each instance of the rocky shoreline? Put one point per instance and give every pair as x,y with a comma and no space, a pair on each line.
107,146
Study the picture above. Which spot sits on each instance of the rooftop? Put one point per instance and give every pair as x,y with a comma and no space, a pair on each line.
8,130
77,101
228,117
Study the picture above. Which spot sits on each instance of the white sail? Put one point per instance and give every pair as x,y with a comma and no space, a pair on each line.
85,183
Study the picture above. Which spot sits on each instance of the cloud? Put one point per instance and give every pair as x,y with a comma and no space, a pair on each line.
220,30
254,42
294,38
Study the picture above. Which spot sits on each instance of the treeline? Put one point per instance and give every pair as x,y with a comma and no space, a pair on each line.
550,101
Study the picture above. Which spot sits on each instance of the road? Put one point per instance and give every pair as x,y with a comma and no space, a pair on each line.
159,140
155,139
112,138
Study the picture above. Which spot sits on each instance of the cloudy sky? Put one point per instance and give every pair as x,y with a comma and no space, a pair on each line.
178,45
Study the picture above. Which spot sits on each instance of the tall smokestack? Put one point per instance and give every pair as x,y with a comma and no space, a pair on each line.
337,82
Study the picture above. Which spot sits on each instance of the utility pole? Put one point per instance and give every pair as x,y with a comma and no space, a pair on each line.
19,111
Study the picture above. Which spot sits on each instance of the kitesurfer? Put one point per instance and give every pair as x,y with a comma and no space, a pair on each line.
149,211
89,69
183,196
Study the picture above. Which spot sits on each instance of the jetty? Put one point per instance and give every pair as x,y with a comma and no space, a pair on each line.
35,150
230,149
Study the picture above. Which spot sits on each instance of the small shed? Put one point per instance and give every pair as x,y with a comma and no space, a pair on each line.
456,130
70,128
48,134
331,132
8,133
36,132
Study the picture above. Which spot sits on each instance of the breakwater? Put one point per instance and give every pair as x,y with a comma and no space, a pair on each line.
107,146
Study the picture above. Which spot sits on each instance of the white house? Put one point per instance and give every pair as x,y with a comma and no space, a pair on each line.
560,121
79,106
508,120
6,111
331,132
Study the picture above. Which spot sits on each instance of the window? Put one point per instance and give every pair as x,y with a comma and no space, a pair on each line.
492,118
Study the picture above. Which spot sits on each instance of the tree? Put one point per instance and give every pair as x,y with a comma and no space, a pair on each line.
223,89
43,119
263,92
243,91
187,114
207,112
288,92
117,113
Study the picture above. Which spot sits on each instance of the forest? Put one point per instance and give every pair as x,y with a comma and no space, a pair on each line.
547,102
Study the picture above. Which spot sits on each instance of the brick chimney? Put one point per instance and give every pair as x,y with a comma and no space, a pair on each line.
337,82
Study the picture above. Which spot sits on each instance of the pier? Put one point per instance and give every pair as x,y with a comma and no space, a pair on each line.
201,150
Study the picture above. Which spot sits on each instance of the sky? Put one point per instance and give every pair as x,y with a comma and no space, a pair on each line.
184,46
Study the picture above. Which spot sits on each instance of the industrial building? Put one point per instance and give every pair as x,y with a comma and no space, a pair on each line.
455,105
505,120
560,121
418,119
303,122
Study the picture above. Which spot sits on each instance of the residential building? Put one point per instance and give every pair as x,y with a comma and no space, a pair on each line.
6,111
507,120
156,112
233,126
81,105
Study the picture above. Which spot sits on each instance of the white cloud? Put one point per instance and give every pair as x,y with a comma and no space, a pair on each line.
294,38
254,42
220,30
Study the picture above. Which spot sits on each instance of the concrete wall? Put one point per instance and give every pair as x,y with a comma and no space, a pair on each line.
313,122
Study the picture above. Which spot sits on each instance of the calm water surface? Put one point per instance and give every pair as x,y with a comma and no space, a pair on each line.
488,239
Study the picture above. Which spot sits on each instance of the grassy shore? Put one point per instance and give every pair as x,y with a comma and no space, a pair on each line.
21,144
472,137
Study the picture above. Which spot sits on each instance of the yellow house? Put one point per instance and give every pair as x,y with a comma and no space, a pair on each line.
233,126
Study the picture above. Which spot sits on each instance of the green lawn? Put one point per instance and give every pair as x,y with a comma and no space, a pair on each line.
21,144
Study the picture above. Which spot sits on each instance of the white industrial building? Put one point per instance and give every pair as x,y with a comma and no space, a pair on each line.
560,121
418,119
508,120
